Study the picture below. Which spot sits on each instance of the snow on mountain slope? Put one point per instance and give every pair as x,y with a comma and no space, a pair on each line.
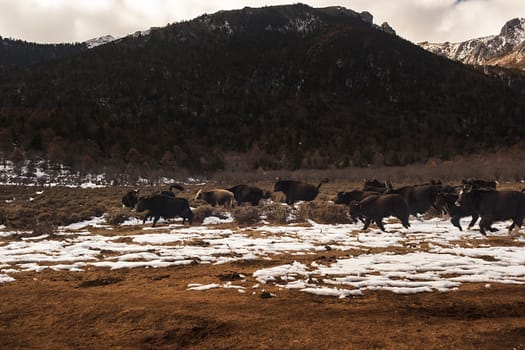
505,49
91,43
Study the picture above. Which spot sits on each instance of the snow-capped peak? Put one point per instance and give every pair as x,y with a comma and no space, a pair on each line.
502,49
91,43
514,29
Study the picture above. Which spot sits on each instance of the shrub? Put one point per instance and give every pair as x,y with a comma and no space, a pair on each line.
246,215
25,218
3,217
116,216
323,212
276,213
44,228
203,211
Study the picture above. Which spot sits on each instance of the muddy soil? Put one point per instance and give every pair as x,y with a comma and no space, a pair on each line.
153,309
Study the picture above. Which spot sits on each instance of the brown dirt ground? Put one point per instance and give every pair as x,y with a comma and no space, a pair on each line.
152,309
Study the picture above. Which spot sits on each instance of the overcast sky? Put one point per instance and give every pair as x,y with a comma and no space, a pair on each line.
79,20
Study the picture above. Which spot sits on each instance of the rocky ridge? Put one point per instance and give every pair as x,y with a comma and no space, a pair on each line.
507,49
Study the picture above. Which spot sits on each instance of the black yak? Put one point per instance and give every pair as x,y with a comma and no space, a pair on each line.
248,194
418,198
492,205
297,191
376,186
447,202
478,183
375,208
170,191
165,206
130,199
347,197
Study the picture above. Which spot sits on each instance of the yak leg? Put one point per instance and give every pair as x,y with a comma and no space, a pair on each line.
473,221
488,223
405,222
455,222
380,224
145,218
417,216
155,219
367,223
516,224
187,215
492,229
485,223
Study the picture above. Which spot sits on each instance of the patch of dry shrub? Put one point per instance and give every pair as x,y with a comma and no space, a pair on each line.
276,213
247,215
116,216
323,212
44,228
56,206
3,217
203,211
24,218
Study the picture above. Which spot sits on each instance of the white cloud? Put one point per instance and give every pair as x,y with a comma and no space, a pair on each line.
76,20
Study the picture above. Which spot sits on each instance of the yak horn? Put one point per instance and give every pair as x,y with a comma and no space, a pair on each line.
198,193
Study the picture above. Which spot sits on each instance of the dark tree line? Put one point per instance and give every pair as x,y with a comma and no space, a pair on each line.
19,53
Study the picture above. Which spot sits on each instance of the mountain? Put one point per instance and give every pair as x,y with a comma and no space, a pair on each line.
15,53
19,53
91,43
105,39
507,49
274,87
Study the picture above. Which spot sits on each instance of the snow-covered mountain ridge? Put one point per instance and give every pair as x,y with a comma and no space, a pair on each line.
506,49
299,18
305,21
91,43
102,40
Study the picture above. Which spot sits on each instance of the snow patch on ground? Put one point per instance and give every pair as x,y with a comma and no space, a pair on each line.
431,256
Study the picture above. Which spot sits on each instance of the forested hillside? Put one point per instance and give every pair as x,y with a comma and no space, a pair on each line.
274,87
19,53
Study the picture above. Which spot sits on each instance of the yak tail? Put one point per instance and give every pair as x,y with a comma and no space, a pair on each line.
198,194
323,181
177,186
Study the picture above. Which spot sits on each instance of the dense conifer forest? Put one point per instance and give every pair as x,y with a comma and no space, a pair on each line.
20,53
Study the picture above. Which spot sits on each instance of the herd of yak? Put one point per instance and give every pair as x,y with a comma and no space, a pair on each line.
375,201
